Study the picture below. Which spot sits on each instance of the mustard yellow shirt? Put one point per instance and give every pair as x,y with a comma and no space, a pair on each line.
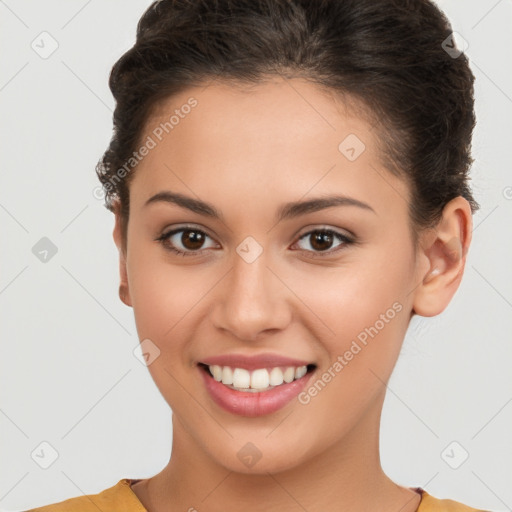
121,498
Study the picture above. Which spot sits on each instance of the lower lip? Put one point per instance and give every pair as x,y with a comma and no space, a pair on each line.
245,403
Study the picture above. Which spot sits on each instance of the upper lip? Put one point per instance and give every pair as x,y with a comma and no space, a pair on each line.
253,362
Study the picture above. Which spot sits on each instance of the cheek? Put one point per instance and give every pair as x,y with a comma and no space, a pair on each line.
162,294
365,308
346,300
163,300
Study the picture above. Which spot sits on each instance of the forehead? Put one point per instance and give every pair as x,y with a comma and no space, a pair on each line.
282,137
259,112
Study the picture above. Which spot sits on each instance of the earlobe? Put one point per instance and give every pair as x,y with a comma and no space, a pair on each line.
124,289
445,247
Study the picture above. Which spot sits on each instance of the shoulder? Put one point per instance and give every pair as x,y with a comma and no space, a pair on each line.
431,504
118,498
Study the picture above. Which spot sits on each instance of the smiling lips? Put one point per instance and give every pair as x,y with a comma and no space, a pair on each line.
258,380
253,386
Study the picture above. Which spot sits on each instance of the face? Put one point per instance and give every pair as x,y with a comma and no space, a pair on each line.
327,286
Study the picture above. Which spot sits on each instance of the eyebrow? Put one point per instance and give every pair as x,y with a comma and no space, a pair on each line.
285,211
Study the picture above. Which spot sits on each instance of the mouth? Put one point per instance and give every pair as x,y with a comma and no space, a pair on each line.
254,392
259,380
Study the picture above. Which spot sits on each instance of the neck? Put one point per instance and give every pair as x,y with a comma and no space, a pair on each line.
346,476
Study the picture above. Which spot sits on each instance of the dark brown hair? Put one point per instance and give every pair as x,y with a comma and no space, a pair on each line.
391,55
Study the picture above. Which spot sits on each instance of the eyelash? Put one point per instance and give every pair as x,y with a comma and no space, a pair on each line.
164,240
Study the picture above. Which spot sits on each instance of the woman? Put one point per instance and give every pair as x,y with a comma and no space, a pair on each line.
290,186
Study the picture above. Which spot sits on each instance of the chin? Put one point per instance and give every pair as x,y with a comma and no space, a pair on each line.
250,460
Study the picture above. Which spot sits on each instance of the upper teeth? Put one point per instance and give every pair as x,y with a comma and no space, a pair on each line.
240,378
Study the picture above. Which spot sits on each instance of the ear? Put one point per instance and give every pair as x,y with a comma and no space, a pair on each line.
124,289
443,250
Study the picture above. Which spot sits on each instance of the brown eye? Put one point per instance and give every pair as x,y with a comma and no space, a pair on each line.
192,239
322,240
184,241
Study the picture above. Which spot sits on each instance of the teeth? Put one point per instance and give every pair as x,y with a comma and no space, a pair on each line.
241,378
276,377
300,372
257,380
216,372
227,375
289,374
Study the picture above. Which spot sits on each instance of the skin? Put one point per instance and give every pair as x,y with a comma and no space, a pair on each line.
247,153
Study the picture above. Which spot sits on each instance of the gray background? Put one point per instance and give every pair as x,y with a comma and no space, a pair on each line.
69,376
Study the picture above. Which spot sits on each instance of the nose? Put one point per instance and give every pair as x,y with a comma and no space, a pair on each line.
252,300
